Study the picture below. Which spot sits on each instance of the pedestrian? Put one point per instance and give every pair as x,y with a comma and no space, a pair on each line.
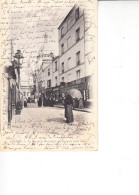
68,109
44,102
40,102
25,103
28,101
51,102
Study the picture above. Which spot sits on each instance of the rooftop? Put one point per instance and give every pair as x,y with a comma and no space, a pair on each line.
67,16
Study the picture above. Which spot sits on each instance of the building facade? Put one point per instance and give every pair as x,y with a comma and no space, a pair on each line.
75,52
73,68
13,83
71,46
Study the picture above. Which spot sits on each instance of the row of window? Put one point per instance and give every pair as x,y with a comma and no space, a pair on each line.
56,68
69,62
76,18
69,41
62,79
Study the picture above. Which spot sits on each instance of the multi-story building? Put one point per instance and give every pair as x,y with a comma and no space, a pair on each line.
55,72
55,78
73,68
47,74
75,52
43,75
71,46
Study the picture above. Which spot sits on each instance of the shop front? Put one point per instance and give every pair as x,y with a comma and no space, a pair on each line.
83,85
80,85
49,93
56,94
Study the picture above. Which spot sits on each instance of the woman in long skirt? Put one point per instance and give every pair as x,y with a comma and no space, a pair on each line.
68,109
25,103
40,102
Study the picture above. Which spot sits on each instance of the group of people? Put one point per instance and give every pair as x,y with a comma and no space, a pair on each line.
68,103
28,100
46,102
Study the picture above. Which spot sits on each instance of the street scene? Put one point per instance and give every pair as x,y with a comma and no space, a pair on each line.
51,77
47,128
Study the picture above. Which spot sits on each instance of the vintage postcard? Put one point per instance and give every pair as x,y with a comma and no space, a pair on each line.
48,75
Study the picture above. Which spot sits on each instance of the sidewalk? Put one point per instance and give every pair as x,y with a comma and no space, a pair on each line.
76,109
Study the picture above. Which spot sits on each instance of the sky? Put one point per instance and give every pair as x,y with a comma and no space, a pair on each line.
30,22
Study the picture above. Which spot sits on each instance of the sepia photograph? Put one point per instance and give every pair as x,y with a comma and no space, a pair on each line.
48,77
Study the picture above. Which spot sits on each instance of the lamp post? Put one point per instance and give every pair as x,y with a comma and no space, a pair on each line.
17,65
18,55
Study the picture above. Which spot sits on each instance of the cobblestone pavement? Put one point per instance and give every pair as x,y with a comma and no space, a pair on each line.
45,128
52,115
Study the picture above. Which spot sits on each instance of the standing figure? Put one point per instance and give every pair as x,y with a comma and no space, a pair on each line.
51,102
40,102
68,109
44,102
25,103
48,101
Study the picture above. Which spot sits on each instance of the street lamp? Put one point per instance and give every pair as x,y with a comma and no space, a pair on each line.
17,65
18,55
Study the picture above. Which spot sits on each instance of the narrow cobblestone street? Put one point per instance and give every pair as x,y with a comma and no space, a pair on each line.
48,116
39,128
